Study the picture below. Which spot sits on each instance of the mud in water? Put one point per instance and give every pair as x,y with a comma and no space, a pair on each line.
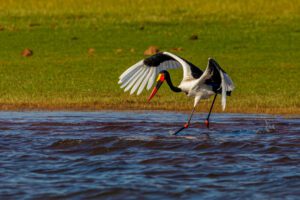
131,155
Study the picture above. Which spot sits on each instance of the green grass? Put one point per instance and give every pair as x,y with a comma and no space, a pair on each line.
257,43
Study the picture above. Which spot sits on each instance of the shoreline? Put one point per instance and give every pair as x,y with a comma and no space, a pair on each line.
89,107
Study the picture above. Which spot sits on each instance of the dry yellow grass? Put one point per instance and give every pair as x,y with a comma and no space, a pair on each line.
143,105
157,10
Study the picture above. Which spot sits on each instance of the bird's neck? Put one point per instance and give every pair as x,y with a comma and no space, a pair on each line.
172,87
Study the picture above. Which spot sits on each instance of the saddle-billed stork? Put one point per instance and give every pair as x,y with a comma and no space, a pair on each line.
195,83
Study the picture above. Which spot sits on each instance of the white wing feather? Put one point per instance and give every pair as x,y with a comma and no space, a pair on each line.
129,75
135,79
152,78
138,75
138,82
143,85
226,82
130,69
130,78
224,89
227,86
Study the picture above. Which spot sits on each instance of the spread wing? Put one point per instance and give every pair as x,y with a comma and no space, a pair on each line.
145,71
216,77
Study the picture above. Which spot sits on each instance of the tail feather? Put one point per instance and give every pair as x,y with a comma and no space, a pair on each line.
227,86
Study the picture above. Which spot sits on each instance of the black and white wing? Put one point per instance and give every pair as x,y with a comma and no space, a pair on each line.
145,71
216,77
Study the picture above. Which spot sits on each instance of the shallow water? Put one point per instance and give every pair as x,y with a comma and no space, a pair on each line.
126,155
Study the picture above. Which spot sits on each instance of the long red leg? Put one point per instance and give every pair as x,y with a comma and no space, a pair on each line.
211,107
186,125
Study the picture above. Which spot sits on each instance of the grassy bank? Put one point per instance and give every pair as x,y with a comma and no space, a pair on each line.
257,43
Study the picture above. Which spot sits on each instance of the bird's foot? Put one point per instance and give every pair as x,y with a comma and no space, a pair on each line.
206,123
186,125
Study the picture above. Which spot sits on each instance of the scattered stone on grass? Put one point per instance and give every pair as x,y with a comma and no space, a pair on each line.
91,51
74,38
33,24
27,52
11,28
53,25
194,37
176,49
118,50
151,50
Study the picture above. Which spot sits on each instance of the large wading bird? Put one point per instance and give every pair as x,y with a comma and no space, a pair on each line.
195,83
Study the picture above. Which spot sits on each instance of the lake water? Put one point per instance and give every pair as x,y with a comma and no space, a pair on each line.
131,155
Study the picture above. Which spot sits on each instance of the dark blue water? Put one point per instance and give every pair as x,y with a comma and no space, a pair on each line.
131,155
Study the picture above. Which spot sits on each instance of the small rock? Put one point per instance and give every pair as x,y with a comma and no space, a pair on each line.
194,37
91,51
119,50
27,52
132,50
11,28
74,38
151,50
33,24
177,49
53,26
1,28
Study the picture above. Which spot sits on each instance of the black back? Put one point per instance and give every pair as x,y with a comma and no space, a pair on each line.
196,72
215,81
157,59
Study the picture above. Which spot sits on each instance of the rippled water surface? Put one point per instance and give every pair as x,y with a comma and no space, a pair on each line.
131,155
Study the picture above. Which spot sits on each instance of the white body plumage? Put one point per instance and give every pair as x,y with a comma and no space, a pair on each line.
195,83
